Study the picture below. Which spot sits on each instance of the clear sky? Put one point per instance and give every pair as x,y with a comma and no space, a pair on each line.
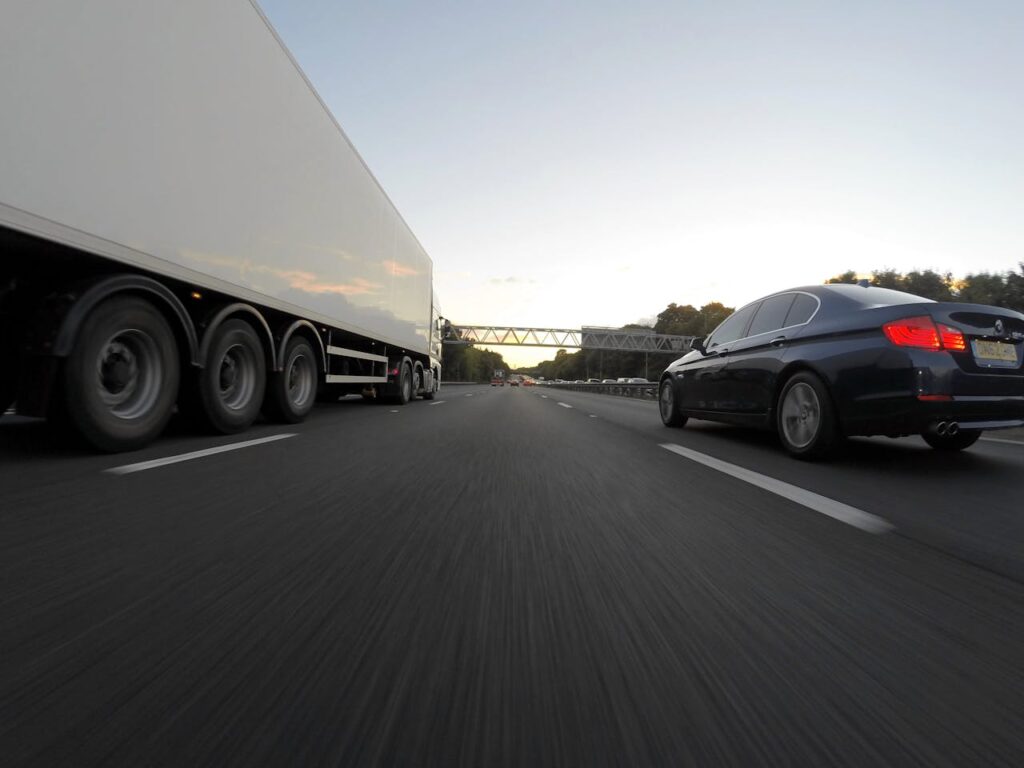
586,163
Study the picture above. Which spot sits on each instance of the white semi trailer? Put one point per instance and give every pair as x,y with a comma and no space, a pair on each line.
182,221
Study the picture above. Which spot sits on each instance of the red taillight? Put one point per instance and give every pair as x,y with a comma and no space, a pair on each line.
952,339
923,333
917,332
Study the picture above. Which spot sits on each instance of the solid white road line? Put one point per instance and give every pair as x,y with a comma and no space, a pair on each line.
127,469
565,405
1002,440
826,506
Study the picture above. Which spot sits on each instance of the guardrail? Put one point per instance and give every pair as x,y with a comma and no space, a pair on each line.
647,391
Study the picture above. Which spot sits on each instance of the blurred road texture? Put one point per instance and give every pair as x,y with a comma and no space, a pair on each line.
506,576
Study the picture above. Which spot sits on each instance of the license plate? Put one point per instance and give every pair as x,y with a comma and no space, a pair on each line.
995,350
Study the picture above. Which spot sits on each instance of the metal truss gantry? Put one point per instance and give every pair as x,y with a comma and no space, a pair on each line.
589,337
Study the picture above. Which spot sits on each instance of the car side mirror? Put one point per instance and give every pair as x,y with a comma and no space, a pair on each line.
698,344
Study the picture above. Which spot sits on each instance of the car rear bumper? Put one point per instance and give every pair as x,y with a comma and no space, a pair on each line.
909,415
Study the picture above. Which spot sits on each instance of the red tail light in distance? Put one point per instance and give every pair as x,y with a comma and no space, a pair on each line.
922,332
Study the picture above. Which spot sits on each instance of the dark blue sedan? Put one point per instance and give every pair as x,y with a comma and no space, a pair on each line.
827,361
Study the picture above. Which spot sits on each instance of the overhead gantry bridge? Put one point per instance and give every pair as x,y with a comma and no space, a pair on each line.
588,337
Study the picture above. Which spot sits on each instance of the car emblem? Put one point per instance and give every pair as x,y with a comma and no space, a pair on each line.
999,327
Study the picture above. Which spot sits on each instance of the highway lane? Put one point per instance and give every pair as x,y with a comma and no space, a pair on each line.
968,504
497,579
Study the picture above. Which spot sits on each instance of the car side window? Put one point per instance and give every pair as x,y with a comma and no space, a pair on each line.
733,328
802,309
772,314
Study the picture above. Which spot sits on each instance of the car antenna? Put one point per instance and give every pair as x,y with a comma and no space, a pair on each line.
864,283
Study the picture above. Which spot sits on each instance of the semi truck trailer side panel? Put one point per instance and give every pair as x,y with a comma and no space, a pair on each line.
181,138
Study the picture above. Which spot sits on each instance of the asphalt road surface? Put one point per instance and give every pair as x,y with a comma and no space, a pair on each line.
509,576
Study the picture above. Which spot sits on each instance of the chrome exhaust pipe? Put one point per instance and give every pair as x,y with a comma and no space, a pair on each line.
940,428
952,428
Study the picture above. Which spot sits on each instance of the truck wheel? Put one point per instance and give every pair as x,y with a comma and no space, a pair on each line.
121,379
291,393
234,378
405,385
433,387
806,419
965,438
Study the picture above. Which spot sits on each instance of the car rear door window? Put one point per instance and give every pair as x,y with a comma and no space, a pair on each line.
803,307
772,314
733,328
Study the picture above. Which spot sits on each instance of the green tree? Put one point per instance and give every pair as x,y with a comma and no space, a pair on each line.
929,284
1013,294
849,276
887,278
983,288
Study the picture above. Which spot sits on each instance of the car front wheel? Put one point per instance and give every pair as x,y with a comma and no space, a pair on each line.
668,405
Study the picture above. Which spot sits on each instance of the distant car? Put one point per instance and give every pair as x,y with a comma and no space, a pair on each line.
637,380
609,381
514,383
593,381
827,361
579,381
497,382
529,383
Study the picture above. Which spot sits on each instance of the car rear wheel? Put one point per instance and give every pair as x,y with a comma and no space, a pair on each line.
806,419
965,438
668,406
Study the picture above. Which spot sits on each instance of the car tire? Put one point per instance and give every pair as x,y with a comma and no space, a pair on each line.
233,378
805,417
291,392
668,405
120,381
965,438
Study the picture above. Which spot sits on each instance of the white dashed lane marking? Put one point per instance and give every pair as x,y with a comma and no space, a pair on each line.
1002,440
141,466
565,405
826,506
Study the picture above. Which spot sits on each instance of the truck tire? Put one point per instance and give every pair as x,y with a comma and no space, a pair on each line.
121,379
291,392
433,387
405,386
233,378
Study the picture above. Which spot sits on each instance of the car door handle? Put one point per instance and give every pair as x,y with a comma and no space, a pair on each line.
778,341
722,352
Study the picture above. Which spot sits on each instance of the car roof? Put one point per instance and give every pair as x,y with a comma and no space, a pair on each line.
859,296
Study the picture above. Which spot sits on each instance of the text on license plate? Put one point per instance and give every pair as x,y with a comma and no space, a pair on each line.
995,350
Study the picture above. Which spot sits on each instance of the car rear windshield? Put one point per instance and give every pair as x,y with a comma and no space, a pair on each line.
876,297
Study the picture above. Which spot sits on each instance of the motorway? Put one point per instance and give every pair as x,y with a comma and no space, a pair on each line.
509,576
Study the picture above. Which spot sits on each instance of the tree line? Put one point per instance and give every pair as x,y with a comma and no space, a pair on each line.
1005,289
